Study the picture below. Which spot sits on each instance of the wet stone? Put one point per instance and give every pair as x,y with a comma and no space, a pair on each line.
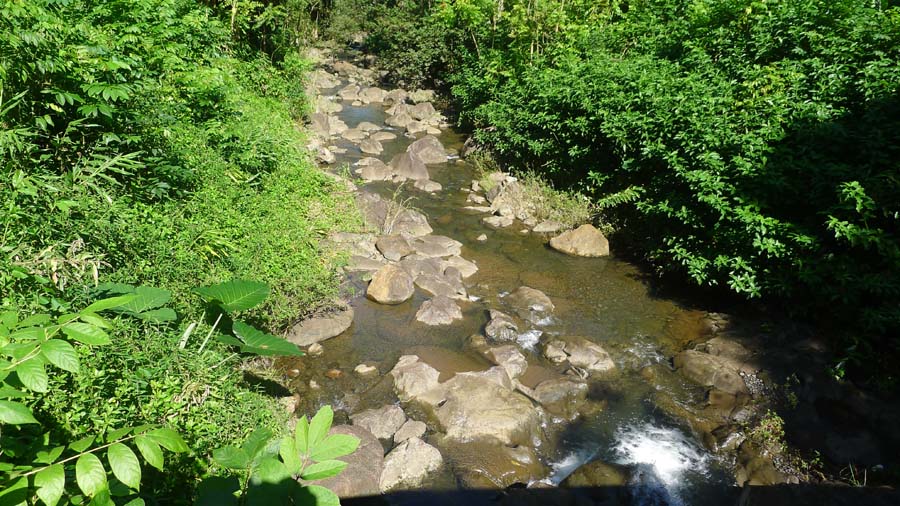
501,327
362,475
393,247
409,430
381,422
440,310
390,285
320,328
584,241
407,465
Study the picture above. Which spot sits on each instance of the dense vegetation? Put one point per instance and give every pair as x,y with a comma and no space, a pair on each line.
756,143
147,143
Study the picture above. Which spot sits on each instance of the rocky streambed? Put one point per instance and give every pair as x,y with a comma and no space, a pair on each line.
479,347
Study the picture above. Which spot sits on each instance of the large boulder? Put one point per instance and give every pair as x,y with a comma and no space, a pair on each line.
349,92
410,222
429,149
478,408
711,371
440,310
390,285
409,430
353,135
362,475
465,267
529,303
442,286
320,328
382,422
371,147
584,241
415,380
598,474
372,95
409,166
399,120
407,465
436,246
561,396
383,136
509,358
422,111
376,171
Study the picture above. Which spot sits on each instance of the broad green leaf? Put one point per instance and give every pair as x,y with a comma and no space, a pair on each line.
28,333
32,374
289,454
263,344
66,318
151,451
229,340
124,464
301,435
96,321
319,426
14,413
235,295
118,433
324,469
87,334
90,474
34,321
168,439
270,470
256,442
49,457
102,498
108,303
8,392
336,445
50,484
164,314
137,501
320,496
15,492
82,444
145,298
8,319
61,354
231,457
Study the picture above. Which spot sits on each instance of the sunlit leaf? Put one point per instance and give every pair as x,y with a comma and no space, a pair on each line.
124,465
90,474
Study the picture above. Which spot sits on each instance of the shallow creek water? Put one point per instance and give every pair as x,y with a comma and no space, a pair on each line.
603,299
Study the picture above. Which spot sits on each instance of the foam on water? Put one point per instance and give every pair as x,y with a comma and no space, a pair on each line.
665,457
529,339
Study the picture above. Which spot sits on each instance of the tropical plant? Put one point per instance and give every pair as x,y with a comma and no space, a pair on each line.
278,471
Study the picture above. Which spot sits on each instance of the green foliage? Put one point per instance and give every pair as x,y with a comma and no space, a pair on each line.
266,470
28,347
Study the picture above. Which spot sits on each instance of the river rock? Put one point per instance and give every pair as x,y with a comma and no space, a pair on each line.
349,92
338,127
547,227
399,120
411,222
598,474
422,111
407,465
368,126
320,125
327,105
415,127
465,267
526,299
420,96
441,286
561,396
580,353
353,135
396,96
410,166
371,147
509,358
710,371
428,185
324,155
362,475
323,79
496,221
477,408
393,247
359,263
501,327
356,244
383,136
440,310
418,266
584,241
365,370
433,246
429,149
390,285
382,422
409,430
415,380
320,328
476,199
372,95
375,171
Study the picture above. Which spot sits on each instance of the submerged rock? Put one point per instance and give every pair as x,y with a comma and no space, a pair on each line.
390,285
491,465
416,380
526,299
428,185
547,227
320,328
407,465
598,474
584,241
562,396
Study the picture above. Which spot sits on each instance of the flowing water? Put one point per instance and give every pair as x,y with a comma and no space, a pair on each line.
603,299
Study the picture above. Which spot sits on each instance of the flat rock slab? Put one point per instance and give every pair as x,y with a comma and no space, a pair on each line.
320,328
381,422
440,310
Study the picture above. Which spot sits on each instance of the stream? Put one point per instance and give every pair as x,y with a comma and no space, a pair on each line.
605,300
